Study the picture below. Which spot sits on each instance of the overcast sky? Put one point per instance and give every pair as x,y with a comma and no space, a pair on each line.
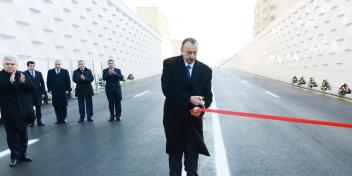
222,27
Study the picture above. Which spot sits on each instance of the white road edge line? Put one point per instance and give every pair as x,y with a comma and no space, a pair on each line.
6,152
138,95
222,168
276,96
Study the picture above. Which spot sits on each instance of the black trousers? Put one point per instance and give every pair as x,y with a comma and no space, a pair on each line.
114,105
87,100
190,162
38,113
17,139
61,113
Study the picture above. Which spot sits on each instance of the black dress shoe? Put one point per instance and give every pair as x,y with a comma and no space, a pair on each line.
13,163
111,119
90,120
63,122
58,122
80,121
118,119
26,159
41,124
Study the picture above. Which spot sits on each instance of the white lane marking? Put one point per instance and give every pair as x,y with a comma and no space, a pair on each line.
6,152
271,94
183,170
222,168
141,93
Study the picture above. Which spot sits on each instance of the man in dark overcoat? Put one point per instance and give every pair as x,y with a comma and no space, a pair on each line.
83,78
186,84
16,107
59,85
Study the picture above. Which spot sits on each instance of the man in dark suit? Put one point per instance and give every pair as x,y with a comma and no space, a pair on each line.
83,78
59,85
186,84
39,91
113,76
16,108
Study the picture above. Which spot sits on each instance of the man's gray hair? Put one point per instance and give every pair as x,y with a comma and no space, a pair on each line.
9,59
80,61
57,61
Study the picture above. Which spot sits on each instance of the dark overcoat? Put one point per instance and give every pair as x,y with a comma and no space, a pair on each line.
83,87
58,85
177,88
16,102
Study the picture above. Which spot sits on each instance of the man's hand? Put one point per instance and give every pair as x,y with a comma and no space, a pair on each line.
12,77
195,112
82,77
197,100
112,72
22,78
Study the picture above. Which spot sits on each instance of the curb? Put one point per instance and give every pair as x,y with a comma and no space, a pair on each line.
307,89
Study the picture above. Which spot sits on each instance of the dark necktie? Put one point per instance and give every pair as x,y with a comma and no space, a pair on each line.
32,73
188,69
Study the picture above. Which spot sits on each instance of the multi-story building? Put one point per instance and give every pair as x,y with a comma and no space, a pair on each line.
157,21
69,30
266,11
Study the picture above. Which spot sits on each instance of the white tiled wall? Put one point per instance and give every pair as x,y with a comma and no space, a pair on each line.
313,39
70,30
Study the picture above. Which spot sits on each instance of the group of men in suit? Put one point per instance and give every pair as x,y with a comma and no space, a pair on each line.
59,86
22,92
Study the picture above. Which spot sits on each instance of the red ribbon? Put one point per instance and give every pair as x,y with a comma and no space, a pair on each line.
279,118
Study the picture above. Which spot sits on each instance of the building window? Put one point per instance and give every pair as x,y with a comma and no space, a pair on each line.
59,46
47,1
75,25
35,11
22,23
68,36
48,30
36,42
58,19
6,37
66,10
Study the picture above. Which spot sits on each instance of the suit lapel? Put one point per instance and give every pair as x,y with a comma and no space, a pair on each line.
182,69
